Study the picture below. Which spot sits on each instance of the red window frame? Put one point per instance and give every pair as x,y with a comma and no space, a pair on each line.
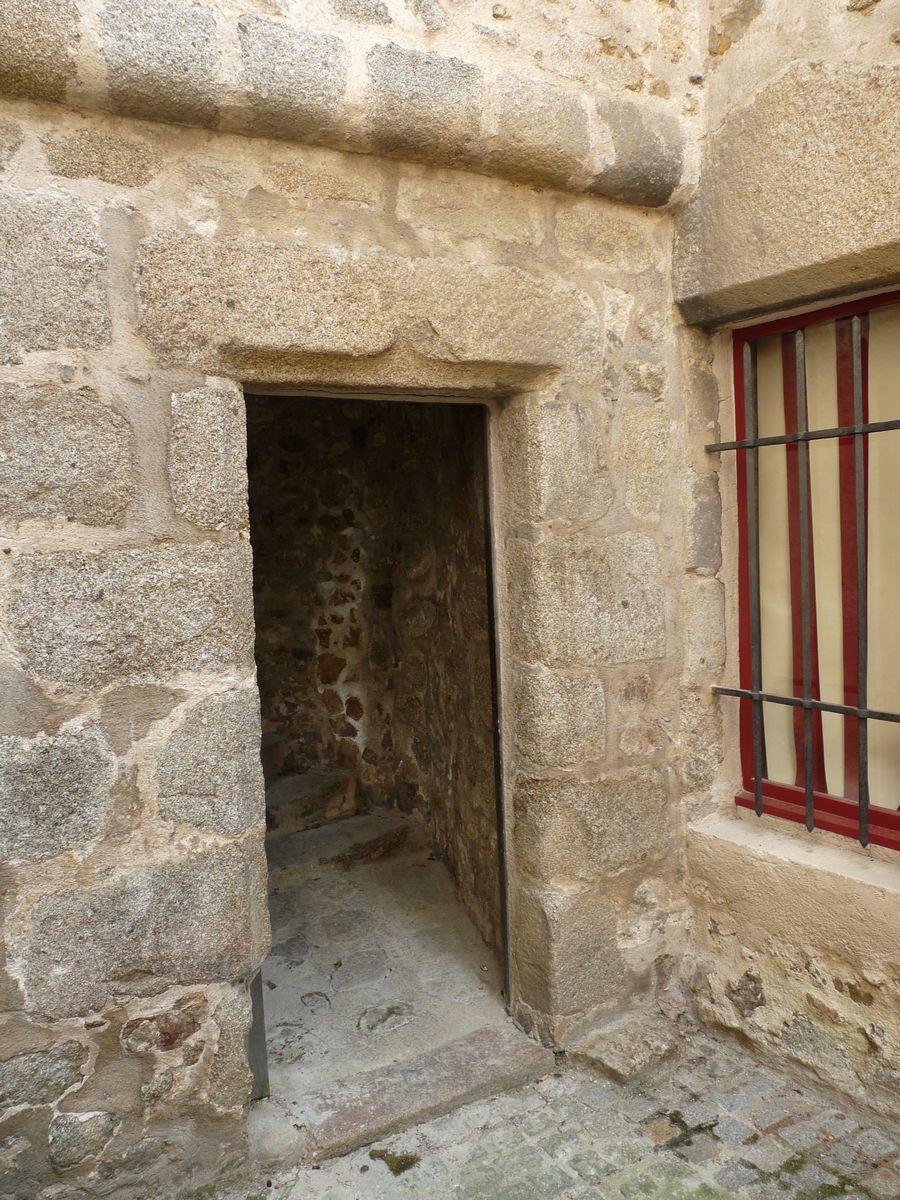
835,814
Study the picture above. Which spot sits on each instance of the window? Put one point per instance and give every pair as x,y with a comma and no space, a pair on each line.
818,475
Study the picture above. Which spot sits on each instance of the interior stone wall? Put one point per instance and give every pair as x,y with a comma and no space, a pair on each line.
371,600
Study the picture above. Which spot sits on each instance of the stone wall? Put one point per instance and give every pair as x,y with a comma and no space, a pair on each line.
566,95
790,944
371,599
147,272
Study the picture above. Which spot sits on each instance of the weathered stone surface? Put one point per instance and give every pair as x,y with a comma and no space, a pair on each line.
199,919
586,599
704,527
162,61
649,154
423,106
41,1077
54,794
294,78
573,829
75,1137
210,775
703,617
127,713
208,457
463,312
590,228
429,13
643,452
206,300
90,619
565,954
24,708
198,294
630,1049
538,131
36,39
11,136
755,181
377,1103
468,206
363,12
63,453
554,461
52,268
230,1079
560,720
94,153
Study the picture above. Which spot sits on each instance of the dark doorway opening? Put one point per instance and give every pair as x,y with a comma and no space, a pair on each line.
375,655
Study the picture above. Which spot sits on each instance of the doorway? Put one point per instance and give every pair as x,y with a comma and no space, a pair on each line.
370,529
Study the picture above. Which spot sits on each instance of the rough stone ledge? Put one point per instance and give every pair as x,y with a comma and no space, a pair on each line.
169,62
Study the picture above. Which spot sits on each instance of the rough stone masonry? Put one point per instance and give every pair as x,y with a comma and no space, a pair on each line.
556,209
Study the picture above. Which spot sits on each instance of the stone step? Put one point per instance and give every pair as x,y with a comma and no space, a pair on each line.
367,1107
311,798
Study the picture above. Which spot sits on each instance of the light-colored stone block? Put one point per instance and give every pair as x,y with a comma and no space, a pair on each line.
554,456
208,457
91,619
294,78
209,772
199,919
97,154
423,106
52,275
766,171
559,719
643,453
54,794
579,830
162,60
703,624
36,40
63,454
467,206
649,147
537,131
587,599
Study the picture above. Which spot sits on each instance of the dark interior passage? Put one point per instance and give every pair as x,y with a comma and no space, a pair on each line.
373,630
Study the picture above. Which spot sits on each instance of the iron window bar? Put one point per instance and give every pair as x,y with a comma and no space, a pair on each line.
793,345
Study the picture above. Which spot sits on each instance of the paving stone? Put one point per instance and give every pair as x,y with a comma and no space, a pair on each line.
768,1154
883,1184
733,1132
873,1144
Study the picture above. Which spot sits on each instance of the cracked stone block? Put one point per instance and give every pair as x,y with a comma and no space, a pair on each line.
72,457
54,794
423,106
91,619
210,774
52,276
208,457
162,60
36,40
630,1049
294,78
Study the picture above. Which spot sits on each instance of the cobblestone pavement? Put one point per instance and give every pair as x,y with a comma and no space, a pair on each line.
714,1125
